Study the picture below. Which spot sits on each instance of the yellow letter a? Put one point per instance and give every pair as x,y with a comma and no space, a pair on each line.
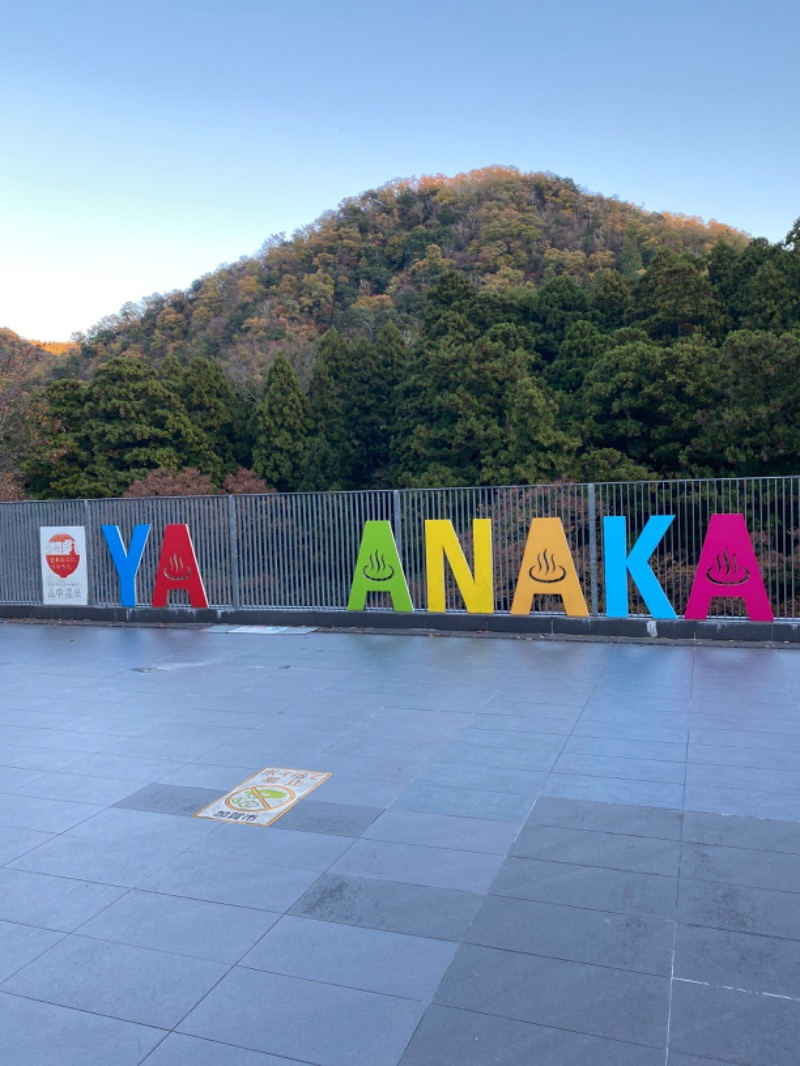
548,570
440,542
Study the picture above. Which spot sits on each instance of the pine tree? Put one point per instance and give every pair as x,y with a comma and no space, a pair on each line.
282,427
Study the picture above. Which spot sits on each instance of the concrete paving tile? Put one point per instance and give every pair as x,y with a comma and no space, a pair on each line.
738,960
740,909
13,778
159,798
370,959
28,758
51,902
443,831
116,980
125,768
676,1059
320,816
462,802
640,730
621,941
438,913
638,769
306,851
762,758
614,790
625,749
614,851
16,842
746,738
178,1050
357,791
316,1022
499,758
741,866
528,723
628,819
739,801
490,778
746,777
150,829
385,748
226,880
467,871
105,862
78,788
203,930
734,1026
43,815
21,944
450,1037
595,1000
204,775
759,834
619,891
49,1035
502,738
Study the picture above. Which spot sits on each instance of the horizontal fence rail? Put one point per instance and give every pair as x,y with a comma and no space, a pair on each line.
298,550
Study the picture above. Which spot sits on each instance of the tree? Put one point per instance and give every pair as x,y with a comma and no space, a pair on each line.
673,298
282,427
166,482
209,401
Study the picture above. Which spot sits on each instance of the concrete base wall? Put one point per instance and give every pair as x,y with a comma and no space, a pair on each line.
551,625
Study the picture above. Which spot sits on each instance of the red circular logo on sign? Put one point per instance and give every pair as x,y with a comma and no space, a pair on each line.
62,555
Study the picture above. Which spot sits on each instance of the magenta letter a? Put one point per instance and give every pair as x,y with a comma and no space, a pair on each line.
728,567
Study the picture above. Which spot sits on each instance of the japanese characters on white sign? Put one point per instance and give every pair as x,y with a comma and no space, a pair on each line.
264,797
64,573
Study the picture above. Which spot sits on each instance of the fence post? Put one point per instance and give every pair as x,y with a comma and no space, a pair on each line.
592,547
90,577
397,523
233,530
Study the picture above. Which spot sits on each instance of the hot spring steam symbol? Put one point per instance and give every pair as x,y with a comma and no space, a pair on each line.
177,570
727,571
546,569
377,569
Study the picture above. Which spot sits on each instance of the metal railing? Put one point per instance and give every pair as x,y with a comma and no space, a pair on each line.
298,550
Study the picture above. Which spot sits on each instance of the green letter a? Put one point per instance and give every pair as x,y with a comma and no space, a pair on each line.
378,569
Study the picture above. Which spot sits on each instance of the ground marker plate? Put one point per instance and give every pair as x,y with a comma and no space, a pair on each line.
264,797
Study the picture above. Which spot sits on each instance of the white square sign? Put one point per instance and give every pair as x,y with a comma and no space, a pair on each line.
64,572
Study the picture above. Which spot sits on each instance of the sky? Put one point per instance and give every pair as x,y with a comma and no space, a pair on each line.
145,144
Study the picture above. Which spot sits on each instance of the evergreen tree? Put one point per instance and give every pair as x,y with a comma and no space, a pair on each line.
209,401
281,428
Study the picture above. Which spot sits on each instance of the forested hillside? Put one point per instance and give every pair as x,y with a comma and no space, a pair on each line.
491,328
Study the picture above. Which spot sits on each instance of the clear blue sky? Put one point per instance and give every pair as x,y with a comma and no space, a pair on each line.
145,143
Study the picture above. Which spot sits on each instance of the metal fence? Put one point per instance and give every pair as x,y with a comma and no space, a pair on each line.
298,550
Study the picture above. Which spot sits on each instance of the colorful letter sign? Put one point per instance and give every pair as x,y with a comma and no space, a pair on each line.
63,560
728,567
378,569
178,569
619,563
548,570
127,563
442,543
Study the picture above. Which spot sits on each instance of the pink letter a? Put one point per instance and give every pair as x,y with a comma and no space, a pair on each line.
728,567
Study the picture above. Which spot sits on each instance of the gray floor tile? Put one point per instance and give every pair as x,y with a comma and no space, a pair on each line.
641,730
626,749
500,758
594,1000
411,864
319,816
116,980
48,1035
16,842
628,819
212,931
613,851
676,1059
439,913
595,888
763,758
531,722
443,831
482,778
255,843
29,758
614,790
502,738
746,777
146,828
160,798
125,767
205,775
738,960
51,902
226,880
759,834
21,944
179,1050
43,815
370,959
462,802
639,769
78,788
315,1022
104,862
739,1027
621,941
13,779
740,909
741,866
739,801
449,1037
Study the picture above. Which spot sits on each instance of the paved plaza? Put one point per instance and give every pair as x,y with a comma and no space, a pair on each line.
529,853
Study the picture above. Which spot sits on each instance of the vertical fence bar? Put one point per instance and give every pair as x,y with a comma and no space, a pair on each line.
592,504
